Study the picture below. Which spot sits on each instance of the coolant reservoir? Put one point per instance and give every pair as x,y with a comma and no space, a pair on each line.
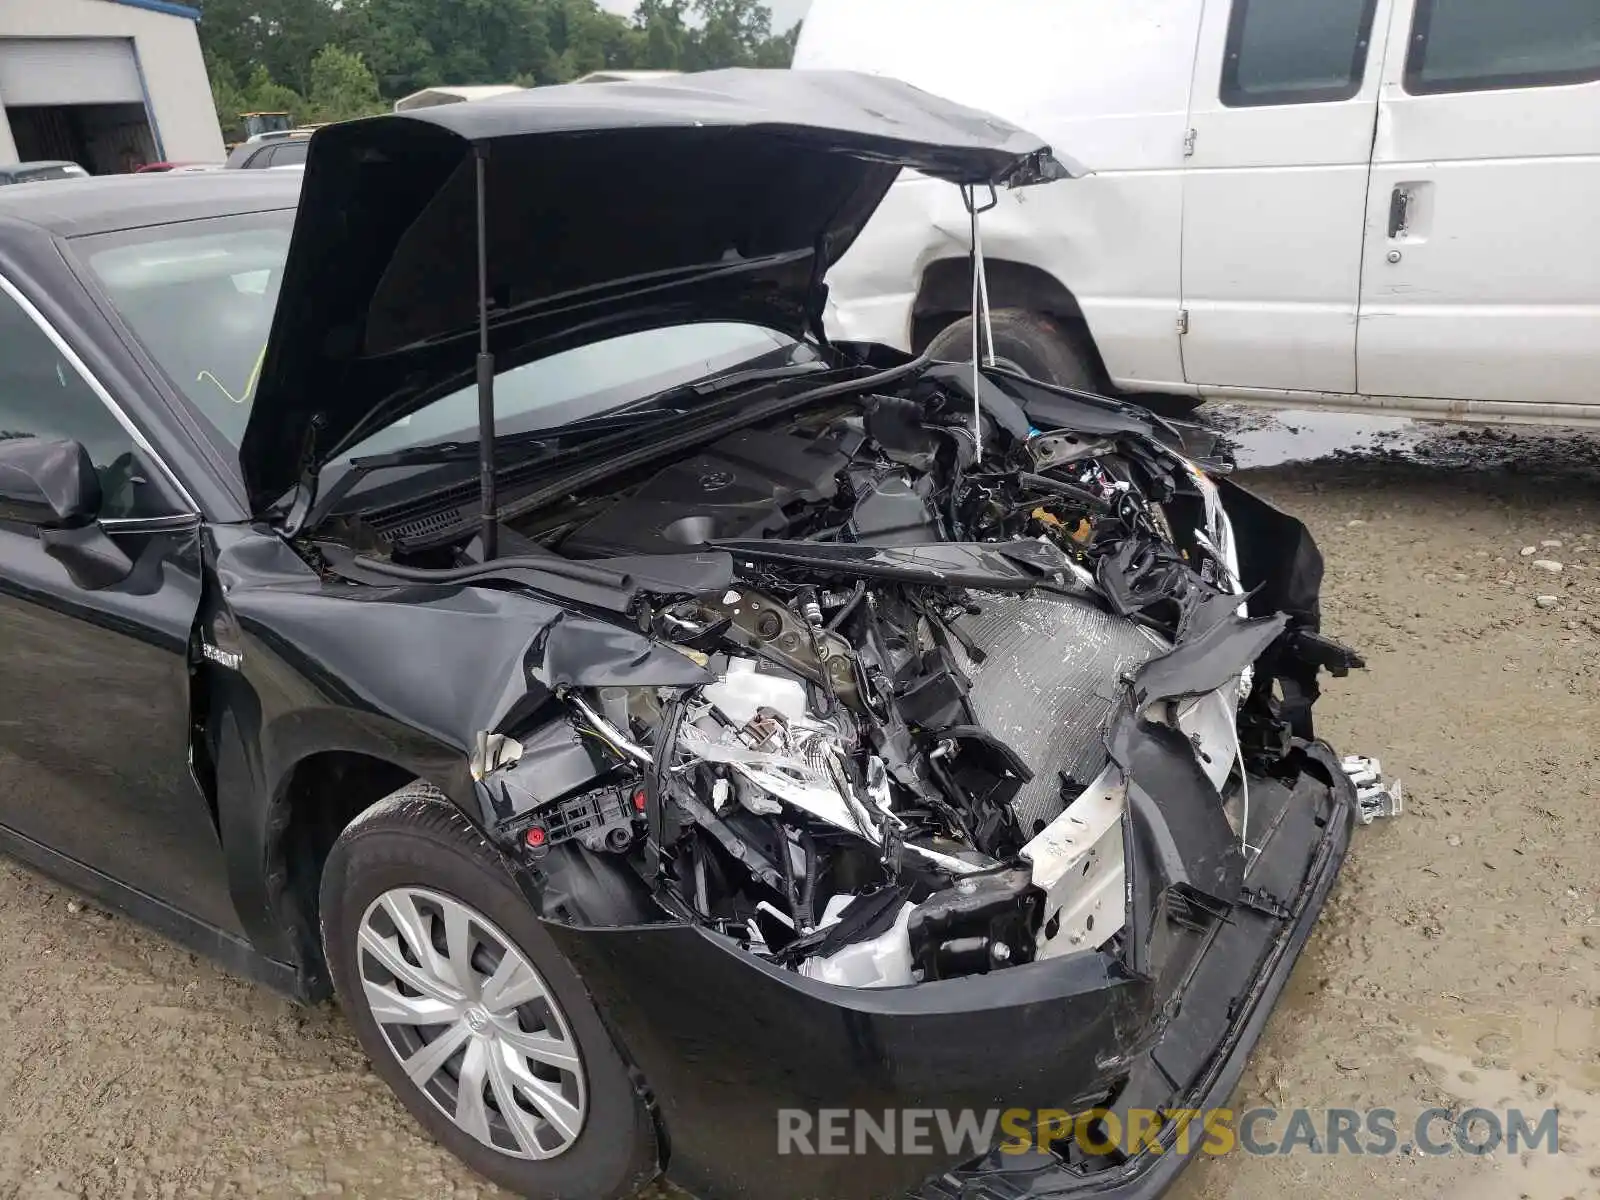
883,961
745,689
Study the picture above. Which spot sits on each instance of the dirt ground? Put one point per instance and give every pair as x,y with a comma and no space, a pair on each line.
1458,963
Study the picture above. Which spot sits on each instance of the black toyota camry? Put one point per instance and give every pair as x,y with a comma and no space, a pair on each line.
471,584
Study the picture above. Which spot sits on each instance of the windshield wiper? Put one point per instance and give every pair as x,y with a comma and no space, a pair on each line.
661,408
430,453
659,405
522,445
676,401
681,401
706,388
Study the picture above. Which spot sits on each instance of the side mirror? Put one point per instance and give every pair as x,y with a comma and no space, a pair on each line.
51,484
48,483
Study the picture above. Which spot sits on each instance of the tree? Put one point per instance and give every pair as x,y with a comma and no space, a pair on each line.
263,93
729,34
281,35
257,93
662,28
226,94
590,39
778,50
412,44
331,59
341,87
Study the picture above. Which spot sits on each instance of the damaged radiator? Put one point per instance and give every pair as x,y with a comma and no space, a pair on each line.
1048,687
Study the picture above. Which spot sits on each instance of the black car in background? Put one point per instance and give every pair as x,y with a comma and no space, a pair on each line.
285,149
760,724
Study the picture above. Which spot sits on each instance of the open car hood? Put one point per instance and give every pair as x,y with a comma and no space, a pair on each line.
611,208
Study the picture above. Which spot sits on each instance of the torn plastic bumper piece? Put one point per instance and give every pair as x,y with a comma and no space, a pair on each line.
1199,1057
725,1042
1376,796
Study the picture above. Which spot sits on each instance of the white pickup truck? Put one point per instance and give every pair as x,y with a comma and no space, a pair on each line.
1348,203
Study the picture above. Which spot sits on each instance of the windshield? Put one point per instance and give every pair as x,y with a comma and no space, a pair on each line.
200,296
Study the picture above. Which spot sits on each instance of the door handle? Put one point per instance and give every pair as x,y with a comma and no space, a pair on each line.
1399,211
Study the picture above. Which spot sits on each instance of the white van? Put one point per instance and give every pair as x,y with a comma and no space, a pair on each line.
1351,203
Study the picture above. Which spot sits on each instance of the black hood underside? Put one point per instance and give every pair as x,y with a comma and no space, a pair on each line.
610,208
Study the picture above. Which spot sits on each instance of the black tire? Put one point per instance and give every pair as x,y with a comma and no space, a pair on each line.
1037,345
417,839
1043,348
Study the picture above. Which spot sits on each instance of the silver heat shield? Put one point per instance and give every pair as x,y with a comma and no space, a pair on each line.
1050,682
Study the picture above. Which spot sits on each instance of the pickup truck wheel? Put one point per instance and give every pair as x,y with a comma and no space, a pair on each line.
1042,348
470,1013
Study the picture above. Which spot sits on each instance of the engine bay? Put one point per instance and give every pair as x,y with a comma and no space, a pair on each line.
744,485
902,766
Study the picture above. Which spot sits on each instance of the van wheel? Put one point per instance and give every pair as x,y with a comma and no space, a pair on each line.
1040,347
470,1013
1028,343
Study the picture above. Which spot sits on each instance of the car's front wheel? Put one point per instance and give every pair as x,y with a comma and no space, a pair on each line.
470,1013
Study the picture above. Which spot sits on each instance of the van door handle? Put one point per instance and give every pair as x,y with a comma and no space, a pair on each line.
1399,211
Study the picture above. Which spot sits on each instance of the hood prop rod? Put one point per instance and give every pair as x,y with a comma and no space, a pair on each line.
488,505
982,326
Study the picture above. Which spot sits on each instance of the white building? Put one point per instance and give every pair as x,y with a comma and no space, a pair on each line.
108,84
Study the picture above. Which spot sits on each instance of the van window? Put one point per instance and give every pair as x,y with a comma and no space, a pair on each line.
1295,51
1478,45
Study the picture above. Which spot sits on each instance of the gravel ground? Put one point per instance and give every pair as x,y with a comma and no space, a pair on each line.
1458,962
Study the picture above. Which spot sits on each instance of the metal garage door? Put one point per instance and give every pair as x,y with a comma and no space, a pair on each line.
36,71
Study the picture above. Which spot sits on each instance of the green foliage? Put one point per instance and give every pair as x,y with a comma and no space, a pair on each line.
661,24
330,60
256,93
728,35
282,36
341,87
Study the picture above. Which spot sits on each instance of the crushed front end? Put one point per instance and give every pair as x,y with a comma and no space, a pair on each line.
994,785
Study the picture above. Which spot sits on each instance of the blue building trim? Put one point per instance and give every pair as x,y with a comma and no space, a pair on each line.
149,109
164,6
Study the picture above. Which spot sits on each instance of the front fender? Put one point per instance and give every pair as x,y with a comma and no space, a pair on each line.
408,674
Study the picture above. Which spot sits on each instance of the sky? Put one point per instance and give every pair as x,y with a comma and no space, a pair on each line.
784,12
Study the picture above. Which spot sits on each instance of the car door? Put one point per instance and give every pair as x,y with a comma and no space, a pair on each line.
95,781
1481,278
1281,115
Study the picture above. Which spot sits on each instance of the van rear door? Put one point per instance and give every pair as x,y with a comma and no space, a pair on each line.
1481,278
1281,116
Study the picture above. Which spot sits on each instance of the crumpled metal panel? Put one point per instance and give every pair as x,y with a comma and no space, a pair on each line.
1050,682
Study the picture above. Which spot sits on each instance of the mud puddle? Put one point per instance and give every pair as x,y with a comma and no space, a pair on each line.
1260,439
